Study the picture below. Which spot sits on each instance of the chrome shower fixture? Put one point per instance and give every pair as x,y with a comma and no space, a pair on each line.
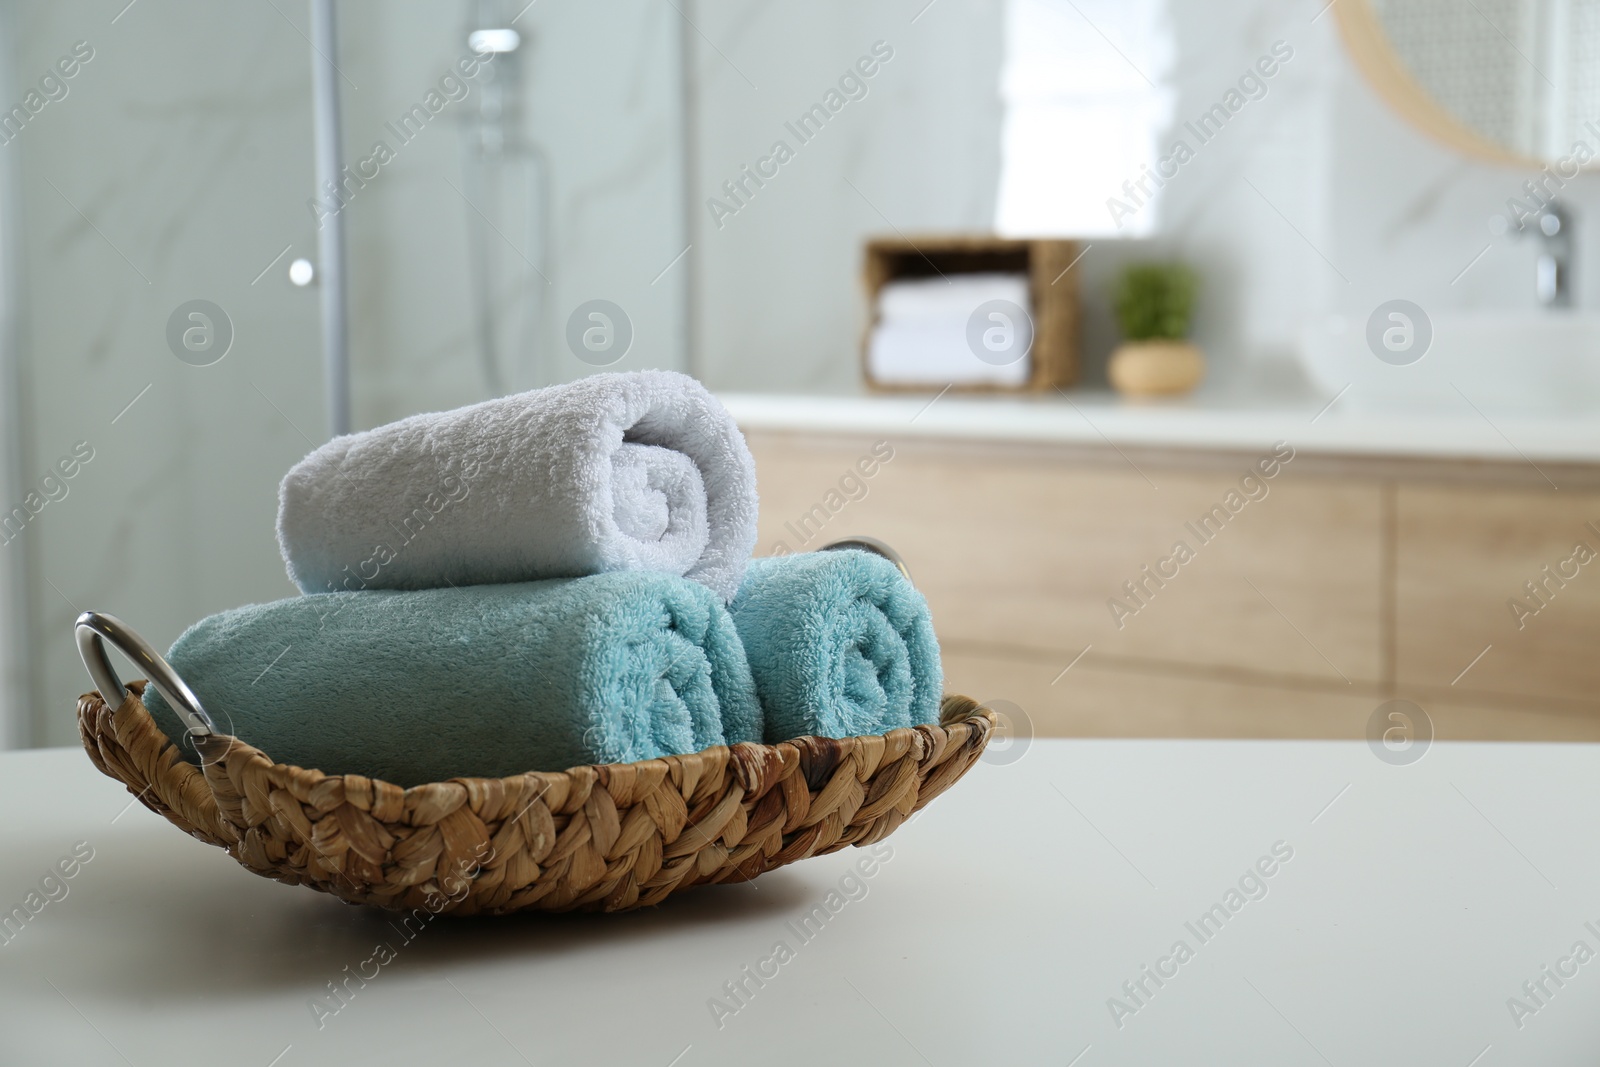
498,41
504,179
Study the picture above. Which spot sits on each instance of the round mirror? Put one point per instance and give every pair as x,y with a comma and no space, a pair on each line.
1512,81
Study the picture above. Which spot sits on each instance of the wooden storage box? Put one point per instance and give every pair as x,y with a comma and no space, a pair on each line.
1053,287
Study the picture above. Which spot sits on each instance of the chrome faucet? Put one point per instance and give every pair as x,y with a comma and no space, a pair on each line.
1553,271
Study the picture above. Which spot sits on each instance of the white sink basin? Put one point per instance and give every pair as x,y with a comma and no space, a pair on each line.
1518,364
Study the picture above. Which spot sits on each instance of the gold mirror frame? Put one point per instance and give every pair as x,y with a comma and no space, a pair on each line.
1368,46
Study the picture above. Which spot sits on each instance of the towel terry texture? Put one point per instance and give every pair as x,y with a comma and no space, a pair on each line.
839,644
613,472
487,680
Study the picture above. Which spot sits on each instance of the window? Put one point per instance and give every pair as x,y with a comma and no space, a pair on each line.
1085,92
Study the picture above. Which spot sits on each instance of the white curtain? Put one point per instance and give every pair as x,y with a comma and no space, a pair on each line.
1086,94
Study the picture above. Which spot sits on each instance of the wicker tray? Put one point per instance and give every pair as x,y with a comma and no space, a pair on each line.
601,838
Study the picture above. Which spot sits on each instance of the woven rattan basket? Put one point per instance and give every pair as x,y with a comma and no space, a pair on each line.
602,838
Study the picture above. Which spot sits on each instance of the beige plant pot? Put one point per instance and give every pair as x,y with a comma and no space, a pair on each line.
1156,368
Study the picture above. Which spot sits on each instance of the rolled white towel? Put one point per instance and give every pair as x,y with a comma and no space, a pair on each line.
637,471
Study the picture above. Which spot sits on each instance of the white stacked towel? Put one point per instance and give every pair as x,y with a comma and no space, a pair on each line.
638,471
921,336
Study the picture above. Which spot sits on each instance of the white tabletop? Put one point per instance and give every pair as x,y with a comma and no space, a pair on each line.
1418,899
1202,421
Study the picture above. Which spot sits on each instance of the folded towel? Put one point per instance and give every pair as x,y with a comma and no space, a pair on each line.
935,354
921,336
638,471
839,644
953,296
487,680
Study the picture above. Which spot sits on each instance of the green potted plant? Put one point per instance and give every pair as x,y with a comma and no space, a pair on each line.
1154,305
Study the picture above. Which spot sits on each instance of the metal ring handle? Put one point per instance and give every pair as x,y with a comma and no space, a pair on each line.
93,626
876,547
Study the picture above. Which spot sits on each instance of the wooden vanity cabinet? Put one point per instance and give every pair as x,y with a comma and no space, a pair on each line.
1331,587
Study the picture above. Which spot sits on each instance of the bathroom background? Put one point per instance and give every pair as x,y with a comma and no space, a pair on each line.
178,166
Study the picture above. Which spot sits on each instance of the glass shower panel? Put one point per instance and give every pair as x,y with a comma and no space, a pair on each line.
167,361
166,187
497,197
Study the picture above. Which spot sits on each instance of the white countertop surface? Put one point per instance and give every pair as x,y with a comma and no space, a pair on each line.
1214,422
1417,901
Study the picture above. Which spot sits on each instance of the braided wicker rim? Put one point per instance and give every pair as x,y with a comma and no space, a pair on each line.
599,838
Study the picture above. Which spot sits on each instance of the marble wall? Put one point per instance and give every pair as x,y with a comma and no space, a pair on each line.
777,286
1315,200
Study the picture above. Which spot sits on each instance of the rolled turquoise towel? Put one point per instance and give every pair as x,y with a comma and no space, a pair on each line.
482,680
839,643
